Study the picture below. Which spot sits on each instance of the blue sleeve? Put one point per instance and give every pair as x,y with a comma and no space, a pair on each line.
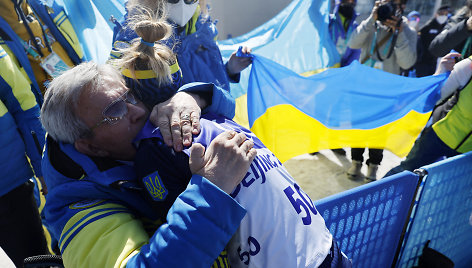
199,225
33,136
222,102
232,78
17,95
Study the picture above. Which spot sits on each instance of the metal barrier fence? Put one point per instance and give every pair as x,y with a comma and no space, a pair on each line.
368,221
399,214
443,213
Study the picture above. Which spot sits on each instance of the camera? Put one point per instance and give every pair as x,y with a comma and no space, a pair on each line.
386,11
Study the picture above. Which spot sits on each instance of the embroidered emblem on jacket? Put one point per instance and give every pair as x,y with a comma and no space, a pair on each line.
155,186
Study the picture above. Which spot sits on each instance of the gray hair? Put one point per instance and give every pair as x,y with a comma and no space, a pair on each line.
58,113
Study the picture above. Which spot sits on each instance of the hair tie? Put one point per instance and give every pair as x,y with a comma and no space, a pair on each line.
149,44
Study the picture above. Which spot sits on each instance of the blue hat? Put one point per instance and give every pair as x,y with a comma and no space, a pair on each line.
413,14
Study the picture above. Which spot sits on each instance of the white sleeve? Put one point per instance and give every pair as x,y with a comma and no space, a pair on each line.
458,78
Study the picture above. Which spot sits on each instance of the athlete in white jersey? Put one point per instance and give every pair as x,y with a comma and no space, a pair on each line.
282,227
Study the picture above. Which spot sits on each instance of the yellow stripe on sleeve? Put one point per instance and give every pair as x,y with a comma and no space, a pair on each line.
65,27
15,78
108,238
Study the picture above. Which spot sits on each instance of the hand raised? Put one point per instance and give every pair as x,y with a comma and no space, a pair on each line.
446,64
237,64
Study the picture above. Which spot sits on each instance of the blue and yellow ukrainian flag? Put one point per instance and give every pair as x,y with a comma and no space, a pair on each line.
297,38
353,106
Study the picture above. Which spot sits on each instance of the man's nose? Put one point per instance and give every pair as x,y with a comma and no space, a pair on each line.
135,112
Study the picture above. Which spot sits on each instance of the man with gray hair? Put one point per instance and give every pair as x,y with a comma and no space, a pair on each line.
94,187
94,206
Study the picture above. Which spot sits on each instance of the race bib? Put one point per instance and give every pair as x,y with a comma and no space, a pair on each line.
282,227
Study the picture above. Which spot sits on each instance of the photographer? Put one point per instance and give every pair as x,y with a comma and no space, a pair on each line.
388,43
456,35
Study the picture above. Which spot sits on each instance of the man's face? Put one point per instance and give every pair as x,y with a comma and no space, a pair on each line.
111,140
443,12
346,8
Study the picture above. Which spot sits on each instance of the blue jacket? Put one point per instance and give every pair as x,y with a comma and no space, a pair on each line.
164,173
21,131
56,20
340,38
11,39
197,53
95,209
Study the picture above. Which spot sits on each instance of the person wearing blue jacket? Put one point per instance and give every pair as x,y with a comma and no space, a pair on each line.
96,209
151,69
21,143
192,41
342,22
45,33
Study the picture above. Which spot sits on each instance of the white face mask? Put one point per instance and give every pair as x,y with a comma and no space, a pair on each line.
181,13
413,24
441,19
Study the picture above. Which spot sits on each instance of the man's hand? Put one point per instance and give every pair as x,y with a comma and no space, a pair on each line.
237,64
178,118
447,63
394,23
226,160
374,10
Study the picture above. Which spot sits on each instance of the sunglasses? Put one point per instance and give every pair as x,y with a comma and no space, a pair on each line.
188,2
117,109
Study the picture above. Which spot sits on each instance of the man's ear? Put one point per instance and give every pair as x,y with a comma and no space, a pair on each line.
85,146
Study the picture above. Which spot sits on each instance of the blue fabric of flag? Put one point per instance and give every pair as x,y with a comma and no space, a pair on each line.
297,38
353,106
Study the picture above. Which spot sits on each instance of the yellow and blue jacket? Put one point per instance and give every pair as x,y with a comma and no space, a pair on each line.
50,29
11,39
101,219
56,20
22,136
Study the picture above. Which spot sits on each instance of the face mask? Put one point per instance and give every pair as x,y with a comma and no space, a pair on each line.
347,10
413,23
180,13
441,19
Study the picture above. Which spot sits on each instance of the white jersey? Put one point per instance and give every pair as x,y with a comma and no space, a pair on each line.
282,227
